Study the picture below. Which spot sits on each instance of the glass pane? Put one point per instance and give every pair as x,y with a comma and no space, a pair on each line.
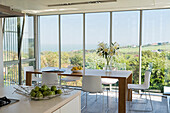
49,41
28,39
10,42
10,51
156,46
126,34
11,74
72,40
97,30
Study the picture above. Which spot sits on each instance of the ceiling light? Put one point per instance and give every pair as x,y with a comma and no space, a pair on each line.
47,10
81,3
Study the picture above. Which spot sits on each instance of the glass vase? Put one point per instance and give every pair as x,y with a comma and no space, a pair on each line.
108,66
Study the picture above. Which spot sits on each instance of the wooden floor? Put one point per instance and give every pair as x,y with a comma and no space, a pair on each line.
159,104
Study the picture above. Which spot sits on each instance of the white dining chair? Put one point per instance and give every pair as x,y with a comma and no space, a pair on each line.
92,84
34,78
110,82
70,79
145,86
49,78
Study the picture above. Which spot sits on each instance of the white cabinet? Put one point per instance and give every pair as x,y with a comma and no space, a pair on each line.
74,106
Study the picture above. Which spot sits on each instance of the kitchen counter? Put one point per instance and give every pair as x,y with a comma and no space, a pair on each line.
26,105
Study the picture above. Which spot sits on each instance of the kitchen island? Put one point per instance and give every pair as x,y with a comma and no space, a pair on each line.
63,104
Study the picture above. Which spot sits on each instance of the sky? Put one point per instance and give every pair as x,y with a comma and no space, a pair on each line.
125,29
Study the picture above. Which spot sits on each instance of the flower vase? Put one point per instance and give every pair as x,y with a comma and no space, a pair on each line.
108,66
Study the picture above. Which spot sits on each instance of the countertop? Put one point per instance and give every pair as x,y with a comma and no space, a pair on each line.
26,105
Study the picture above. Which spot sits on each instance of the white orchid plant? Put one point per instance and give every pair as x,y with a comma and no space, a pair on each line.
107,51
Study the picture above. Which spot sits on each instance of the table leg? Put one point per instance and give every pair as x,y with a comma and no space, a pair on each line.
122,95
168,98
129,81
28,79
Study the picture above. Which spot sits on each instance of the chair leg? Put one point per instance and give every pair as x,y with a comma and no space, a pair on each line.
110,86
130,102
85,103
151,102
107,101
168,104
146,97
103,98
142,103
146,101
60,80
86,99
107,98
96,96
116,95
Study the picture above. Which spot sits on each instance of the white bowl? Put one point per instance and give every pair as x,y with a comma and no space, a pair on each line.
77,71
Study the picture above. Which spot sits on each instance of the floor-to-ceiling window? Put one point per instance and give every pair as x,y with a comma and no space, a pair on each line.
10,45
125,31
12,37
49,43
156,46
28,39
10,51
27,49
97,30
72,40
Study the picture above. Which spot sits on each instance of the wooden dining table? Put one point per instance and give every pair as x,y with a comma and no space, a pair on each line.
124,77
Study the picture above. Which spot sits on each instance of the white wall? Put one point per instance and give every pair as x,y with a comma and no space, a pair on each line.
1,55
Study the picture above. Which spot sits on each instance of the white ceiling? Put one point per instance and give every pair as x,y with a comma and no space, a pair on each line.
40,7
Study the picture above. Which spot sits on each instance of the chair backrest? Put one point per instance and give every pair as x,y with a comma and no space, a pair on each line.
150,66
28,68
147,79
92,84
49,78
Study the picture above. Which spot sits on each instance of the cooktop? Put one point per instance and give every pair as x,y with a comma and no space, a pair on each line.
5,101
